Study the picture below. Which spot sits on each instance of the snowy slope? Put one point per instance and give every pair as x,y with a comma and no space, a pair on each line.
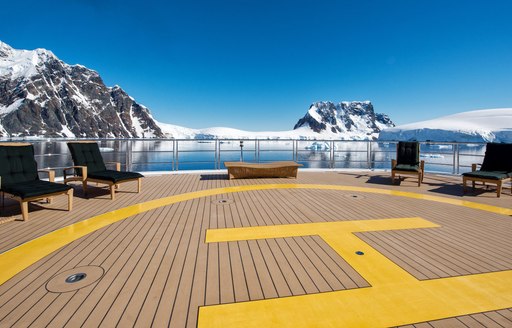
354,120
179,132
488,125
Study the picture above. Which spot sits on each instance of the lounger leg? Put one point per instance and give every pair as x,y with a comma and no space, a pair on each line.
70,199
498,187
392,178
419,179
24,210
139,185
112,192
464,186
84,187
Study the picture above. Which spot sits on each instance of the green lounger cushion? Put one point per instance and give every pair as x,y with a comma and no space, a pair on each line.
407,167
34,188
492,175
114,176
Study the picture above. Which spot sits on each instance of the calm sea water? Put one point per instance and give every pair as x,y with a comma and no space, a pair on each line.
169,155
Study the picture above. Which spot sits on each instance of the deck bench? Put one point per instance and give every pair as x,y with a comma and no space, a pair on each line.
239,170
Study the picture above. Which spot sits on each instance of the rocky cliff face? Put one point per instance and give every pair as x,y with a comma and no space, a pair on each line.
349,120
41,95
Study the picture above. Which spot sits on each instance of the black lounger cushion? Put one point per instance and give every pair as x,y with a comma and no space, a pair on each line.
498,157
17,164
408,153
114,176
87,154
34,188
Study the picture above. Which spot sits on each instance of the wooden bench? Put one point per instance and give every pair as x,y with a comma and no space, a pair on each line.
238,170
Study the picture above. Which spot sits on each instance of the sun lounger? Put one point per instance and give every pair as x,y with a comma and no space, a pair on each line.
408,161
90,167
19,177
495,169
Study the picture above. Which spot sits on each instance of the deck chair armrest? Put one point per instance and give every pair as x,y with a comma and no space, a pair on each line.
474,166
118,165
422,165
83,168
51,174
393,163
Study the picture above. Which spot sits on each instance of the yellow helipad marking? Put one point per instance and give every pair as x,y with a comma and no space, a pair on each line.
395,298
15,260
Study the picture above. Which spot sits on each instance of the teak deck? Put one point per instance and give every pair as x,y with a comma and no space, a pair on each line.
158,268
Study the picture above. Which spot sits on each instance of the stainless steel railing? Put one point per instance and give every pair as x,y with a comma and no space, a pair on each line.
192,154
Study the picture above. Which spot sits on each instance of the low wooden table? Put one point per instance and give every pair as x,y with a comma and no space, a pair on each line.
238,170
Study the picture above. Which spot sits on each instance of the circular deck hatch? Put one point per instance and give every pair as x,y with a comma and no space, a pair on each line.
223,201
74,279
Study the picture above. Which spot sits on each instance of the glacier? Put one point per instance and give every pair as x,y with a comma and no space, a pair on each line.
485,125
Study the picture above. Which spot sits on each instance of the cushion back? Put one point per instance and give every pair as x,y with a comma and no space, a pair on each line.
87,154
17,163
498,157
408,152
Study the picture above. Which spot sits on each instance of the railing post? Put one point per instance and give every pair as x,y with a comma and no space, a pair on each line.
294,158
368,154
258,143
217,155
331,155
455,169
176,156
296,150
129,155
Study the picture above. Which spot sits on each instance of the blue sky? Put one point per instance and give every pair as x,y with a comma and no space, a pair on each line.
258,65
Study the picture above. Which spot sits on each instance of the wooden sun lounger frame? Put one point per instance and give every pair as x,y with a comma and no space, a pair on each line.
240,170
497,182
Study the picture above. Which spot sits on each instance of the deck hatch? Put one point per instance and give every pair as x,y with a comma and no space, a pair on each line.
223,201
74,279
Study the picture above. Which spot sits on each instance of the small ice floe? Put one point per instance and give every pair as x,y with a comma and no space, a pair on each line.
106,149
431,156
318,146
441,146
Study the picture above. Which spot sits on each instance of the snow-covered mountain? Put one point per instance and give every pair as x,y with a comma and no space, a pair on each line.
179,132
474,126
355,120
324,120
41,95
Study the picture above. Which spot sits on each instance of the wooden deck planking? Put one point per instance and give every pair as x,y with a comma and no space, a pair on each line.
159,270
305,279
125,254
292,281
275,272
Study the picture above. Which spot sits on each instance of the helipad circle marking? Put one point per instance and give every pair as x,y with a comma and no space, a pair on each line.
17,259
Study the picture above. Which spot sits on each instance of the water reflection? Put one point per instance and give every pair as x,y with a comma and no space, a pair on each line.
168,155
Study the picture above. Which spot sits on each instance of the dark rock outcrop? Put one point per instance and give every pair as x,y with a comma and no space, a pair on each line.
41,95
355,119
